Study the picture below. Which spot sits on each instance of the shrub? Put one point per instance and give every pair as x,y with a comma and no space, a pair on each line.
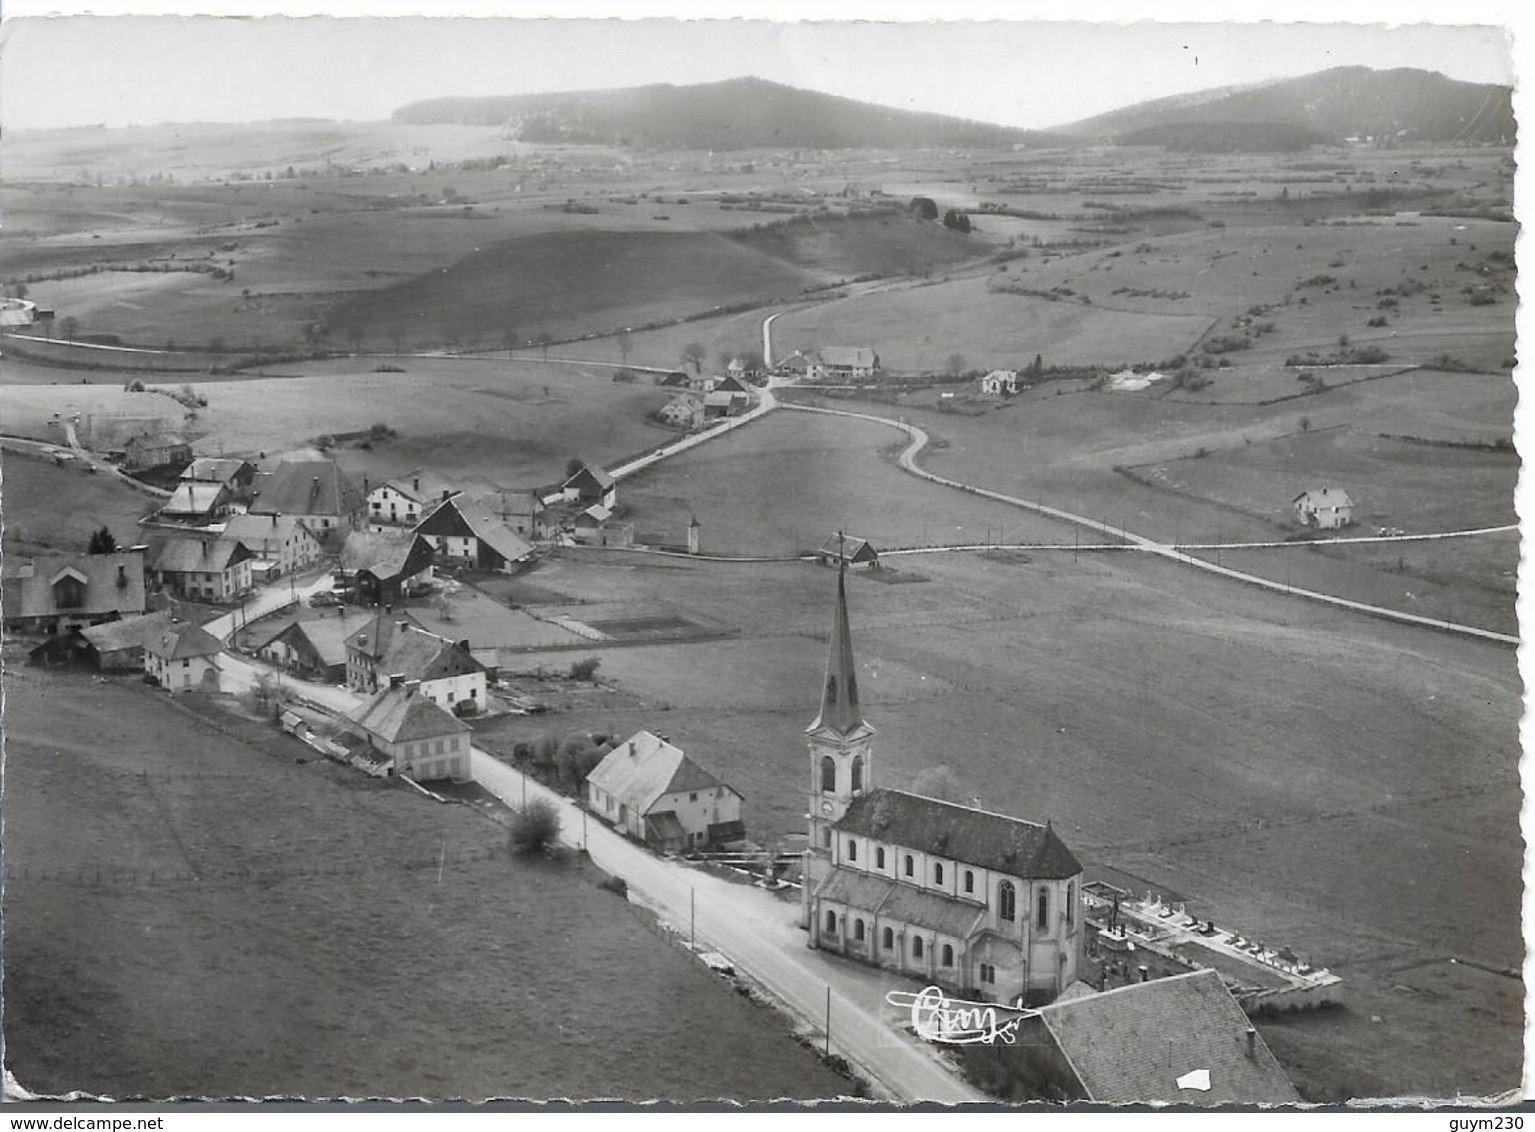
585,669
535,828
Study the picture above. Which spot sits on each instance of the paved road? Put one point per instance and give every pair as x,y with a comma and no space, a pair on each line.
269,599
766,403
908,462
759,933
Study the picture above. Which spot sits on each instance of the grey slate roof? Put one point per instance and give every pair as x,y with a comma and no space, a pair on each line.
904,902
960,833
126,632
178,641
646,768
199,556
307,487
403,715
266,534
28,586
1130,1045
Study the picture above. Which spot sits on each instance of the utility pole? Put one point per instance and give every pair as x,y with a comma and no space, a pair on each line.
828,1019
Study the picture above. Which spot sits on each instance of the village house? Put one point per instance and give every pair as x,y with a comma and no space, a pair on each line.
406,501
732,382
1000,382
155,450
393,644
594,527
674,380
1115,1048
183,658
53,593
238,475
475,532
315,491
841,363
118,646
196,504
718,405
1326,508
682,412
983,903
385,566
314,649
281,544
653,792
202,569
409,734
845,550
591,485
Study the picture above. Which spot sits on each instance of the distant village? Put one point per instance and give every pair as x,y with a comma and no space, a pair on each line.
256,570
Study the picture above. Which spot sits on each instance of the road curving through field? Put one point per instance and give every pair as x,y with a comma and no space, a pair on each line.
919,440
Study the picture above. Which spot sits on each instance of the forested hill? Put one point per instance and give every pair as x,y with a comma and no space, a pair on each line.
737,114
1402,105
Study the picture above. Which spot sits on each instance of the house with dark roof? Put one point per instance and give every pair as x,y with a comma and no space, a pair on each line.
845,550
155,450
405,501
183,658
476,532
202,569
652,791
1180,1040
282,544
118,646
591,486
982,903
196,504
234,473
314,649
407,733
385,565
395,644
316,491
53,593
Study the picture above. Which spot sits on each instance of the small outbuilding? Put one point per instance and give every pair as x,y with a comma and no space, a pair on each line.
846,550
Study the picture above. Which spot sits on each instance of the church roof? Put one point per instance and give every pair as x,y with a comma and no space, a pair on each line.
875,894
839,694
960,833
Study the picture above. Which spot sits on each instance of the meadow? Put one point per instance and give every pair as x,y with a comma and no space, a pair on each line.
34,521
228,920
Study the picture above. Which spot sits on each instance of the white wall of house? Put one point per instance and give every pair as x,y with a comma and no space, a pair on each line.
184,675
697,810
449,691
427,759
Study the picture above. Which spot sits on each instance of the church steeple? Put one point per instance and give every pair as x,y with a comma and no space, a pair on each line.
840,711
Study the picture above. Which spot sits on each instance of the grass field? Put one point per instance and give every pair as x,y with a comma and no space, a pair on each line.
265,928
1261,758
34,520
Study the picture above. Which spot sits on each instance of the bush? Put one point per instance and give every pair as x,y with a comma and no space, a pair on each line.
585,669
535,828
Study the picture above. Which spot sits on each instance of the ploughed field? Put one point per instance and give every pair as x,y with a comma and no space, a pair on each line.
191,911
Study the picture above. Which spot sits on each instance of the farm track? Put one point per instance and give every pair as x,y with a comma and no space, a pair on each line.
919,440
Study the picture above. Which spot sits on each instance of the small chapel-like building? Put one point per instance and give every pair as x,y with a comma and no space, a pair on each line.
981,903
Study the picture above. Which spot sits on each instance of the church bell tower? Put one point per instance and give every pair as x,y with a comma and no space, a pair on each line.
841,745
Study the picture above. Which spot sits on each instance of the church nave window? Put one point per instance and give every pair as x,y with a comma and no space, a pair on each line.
911,866
852,849
1007,901
858,930
1042,916
916,947
879,857
937,872
948,955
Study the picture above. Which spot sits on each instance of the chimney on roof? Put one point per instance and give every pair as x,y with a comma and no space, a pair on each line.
446,493
412,687
404,626
396,679
415,483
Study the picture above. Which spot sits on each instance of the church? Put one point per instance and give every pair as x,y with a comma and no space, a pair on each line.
982,904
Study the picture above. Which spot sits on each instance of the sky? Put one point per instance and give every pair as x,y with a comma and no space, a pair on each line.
78,70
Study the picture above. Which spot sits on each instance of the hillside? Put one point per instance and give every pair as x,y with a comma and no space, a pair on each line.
1403,105
736,114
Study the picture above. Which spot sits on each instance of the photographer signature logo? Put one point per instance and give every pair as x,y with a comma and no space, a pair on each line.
955,1021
